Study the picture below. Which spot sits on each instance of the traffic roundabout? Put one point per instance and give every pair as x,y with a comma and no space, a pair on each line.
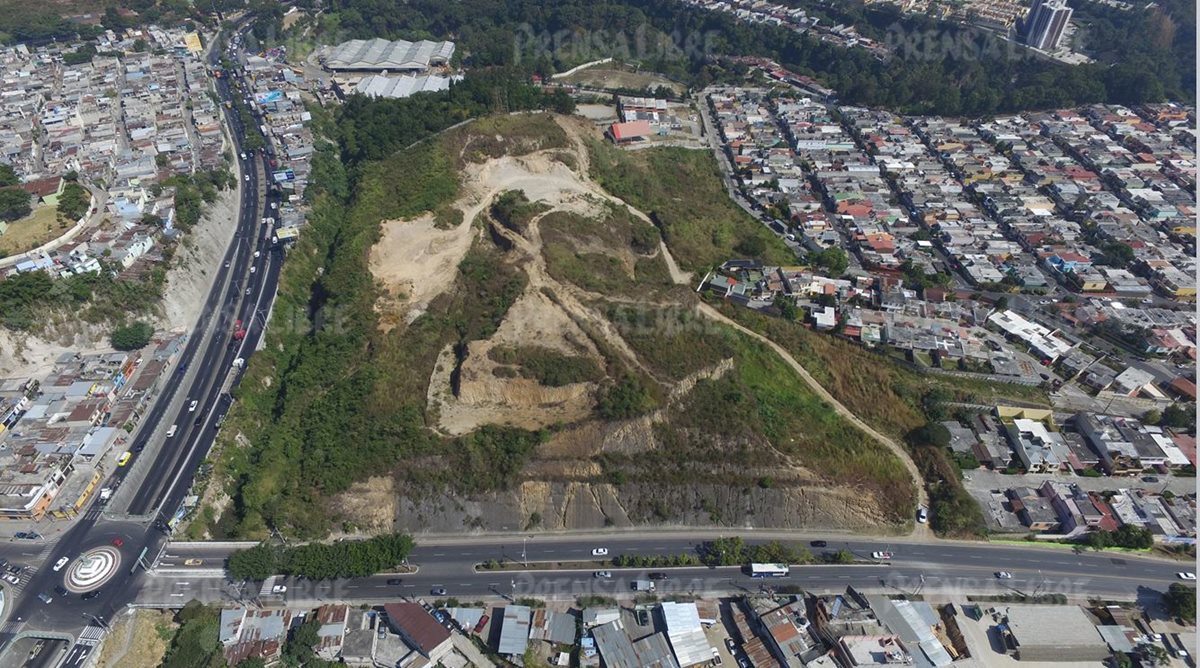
92,569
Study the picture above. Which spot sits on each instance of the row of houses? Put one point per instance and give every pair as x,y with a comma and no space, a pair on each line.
56,430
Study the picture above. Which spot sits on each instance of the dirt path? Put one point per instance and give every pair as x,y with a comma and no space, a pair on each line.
841,410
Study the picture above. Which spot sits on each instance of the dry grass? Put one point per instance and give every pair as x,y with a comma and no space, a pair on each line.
32,231
148,640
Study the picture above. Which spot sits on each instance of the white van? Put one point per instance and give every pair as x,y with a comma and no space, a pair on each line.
171,431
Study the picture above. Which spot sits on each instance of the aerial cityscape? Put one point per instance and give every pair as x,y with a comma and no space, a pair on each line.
621,334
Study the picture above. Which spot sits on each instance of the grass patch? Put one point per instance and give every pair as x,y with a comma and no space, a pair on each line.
500,135
612,254
40,226
681,189
548,367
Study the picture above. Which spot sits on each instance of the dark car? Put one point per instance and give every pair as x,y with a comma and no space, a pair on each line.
90,595
60,590
658,576
438,591
819,543
394,581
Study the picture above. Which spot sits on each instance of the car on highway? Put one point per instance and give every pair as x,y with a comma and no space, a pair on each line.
60,563
657,576
90,595
1186,576
818,543
602,574
257,253
192,406
438,591
192,562
600,552
1003,575
392,582
11,579
881,555
279,589
247,177
124,458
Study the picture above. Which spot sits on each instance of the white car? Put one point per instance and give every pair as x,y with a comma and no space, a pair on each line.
600,552
882,556
60,563
602,574
252,269
278,589
247,177
1186,576
257,253
11,579
922,514
1003,575
192,406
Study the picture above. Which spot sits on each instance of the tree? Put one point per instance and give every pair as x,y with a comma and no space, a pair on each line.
256,563
787,308
14,204
1179,416
1181,601
132,336
751,247
1152,417
8,175
74,201
834,260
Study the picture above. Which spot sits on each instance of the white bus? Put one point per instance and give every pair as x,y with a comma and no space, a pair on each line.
769,570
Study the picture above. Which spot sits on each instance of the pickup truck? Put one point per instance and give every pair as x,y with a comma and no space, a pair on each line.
642,585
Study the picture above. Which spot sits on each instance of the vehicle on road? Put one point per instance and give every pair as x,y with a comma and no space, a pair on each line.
769,570
602,574
1003,575
45,598
257,253
730,645
642,585
60,590
90,595
1150,478
124,458
279,589
818,543
118,542
193,562
27,535
922,514
657,576
192,406
171,432
600,552
438,591
882,556
252,269
394,581
1186,576
247,177
239,332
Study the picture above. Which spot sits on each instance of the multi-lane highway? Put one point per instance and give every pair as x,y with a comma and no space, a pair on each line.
195,569
162,470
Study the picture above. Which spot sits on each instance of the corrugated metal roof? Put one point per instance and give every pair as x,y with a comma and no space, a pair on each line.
686,634
514,630
380,54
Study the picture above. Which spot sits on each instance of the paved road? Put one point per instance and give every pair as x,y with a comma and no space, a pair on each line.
237,293
449,562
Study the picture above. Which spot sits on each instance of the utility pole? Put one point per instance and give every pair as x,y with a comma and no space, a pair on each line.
524,558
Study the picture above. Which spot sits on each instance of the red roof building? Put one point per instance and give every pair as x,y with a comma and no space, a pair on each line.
418,629
622,133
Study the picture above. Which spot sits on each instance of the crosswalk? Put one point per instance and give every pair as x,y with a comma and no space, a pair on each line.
92,635
11,628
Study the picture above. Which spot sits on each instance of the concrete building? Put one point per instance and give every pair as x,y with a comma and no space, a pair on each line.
1052,633
1046,22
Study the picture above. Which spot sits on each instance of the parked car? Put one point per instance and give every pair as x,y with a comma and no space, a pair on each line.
11,579
193,562
600,552
279,589
730,645
922,514
481,624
